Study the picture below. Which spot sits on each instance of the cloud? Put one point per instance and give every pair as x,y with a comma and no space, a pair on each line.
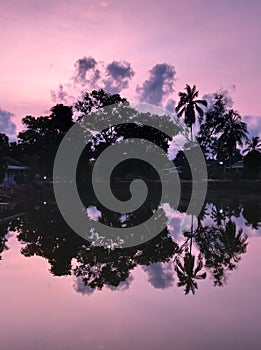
159,85
118,75
7,126
253,125
160,275
92,75
60,96
225,92
86,72
170,106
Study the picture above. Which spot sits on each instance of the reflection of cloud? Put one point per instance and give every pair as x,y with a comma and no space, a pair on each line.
93,213
160,275
159,85
81,288
118,75
174,219
124,285
7,126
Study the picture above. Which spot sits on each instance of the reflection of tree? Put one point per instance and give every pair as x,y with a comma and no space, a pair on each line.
252,214
221,247
46,235
188,273
99,266
3,239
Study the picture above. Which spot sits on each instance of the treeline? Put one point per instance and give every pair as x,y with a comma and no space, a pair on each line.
221,133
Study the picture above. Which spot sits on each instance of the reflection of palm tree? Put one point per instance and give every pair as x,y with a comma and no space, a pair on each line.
221,248
3,239
187,274
252,213
234,243
188,104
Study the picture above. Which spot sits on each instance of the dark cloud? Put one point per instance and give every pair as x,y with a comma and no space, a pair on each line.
170,106
160,275
60,96
7,126
118,75
253,125
159,85
86,72
225,92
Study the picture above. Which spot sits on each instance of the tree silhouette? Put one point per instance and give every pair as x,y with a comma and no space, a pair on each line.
3,239
254,144
233,132
39,142
252,214
252,159
221,247
189,105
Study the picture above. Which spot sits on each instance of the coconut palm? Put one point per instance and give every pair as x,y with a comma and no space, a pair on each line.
189,105
252,159
233,132
254,144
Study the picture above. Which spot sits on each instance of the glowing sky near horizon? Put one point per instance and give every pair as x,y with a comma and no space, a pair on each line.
213,44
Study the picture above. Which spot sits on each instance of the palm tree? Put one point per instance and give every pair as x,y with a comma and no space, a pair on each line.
189,105
252,159
253,144
234,131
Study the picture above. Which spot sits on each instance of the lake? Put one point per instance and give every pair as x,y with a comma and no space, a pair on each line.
187,288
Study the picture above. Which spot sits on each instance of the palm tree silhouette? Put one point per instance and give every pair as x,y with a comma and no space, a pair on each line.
233,131
188,104
254,144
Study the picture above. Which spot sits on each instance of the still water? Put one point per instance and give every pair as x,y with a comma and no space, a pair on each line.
192,289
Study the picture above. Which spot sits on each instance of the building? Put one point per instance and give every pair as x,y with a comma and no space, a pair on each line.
14,170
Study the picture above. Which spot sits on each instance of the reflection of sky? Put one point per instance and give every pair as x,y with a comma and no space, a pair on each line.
40,311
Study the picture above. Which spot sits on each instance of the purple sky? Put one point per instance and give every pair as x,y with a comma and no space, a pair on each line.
136,45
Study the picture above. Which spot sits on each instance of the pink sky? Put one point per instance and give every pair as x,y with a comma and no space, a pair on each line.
213,44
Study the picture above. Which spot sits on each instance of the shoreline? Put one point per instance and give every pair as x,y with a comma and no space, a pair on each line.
225,188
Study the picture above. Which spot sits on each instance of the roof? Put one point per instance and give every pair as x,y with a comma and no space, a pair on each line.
12,162
16,167
238,165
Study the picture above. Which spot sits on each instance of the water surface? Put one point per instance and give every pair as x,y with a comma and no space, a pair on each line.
182,290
